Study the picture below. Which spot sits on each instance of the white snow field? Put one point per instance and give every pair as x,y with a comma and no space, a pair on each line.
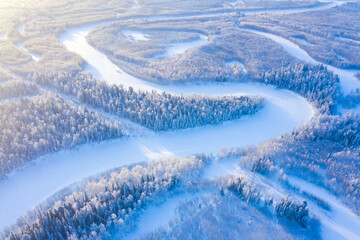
283,111
160,215
135,36
236,63
236,2
174,49
21,28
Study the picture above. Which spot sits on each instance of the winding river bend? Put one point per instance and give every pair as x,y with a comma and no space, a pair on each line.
347,77
23,190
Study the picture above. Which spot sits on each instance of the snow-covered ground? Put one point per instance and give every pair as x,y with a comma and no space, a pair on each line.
325,5
347,77
337,223
35,56
348,40
340,222
304,42
283,111
236,2
236,63
342,110
174,49
21,28
160,215
135,36
135,5
23,190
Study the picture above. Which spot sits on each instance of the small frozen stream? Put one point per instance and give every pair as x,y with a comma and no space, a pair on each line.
347,77
23,190
35,56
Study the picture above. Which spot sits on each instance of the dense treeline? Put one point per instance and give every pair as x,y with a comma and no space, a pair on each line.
336,43
352,100
4,76
16,88
108,206
109,203
211,216
315,83
327,148
225,216
344,130
202,63
151,109
248,191
289,208
286,207
31,127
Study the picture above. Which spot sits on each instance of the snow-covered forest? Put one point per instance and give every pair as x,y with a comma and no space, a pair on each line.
324,151
316,83
332,43
153,119
17,88
108,206
34,126
109,203
151,109
352,100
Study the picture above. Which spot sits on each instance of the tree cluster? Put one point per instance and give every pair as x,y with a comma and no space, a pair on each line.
315,83
216,216
16,88
336,43
101,207
326,151
289,208
352,99
35,126
156,111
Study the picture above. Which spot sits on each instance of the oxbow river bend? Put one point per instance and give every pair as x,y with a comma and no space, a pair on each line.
283,111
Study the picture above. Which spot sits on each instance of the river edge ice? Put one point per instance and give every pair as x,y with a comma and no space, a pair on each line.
26,189
155,151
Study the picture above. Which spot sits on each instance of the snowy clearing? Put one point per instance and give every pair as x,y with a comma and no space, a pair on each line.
174,49
340,222
236,63
21,28
135,36
159,215
234,3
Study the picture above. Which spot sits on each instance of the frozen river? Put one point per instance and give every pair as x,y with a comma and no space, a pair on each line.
284,110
